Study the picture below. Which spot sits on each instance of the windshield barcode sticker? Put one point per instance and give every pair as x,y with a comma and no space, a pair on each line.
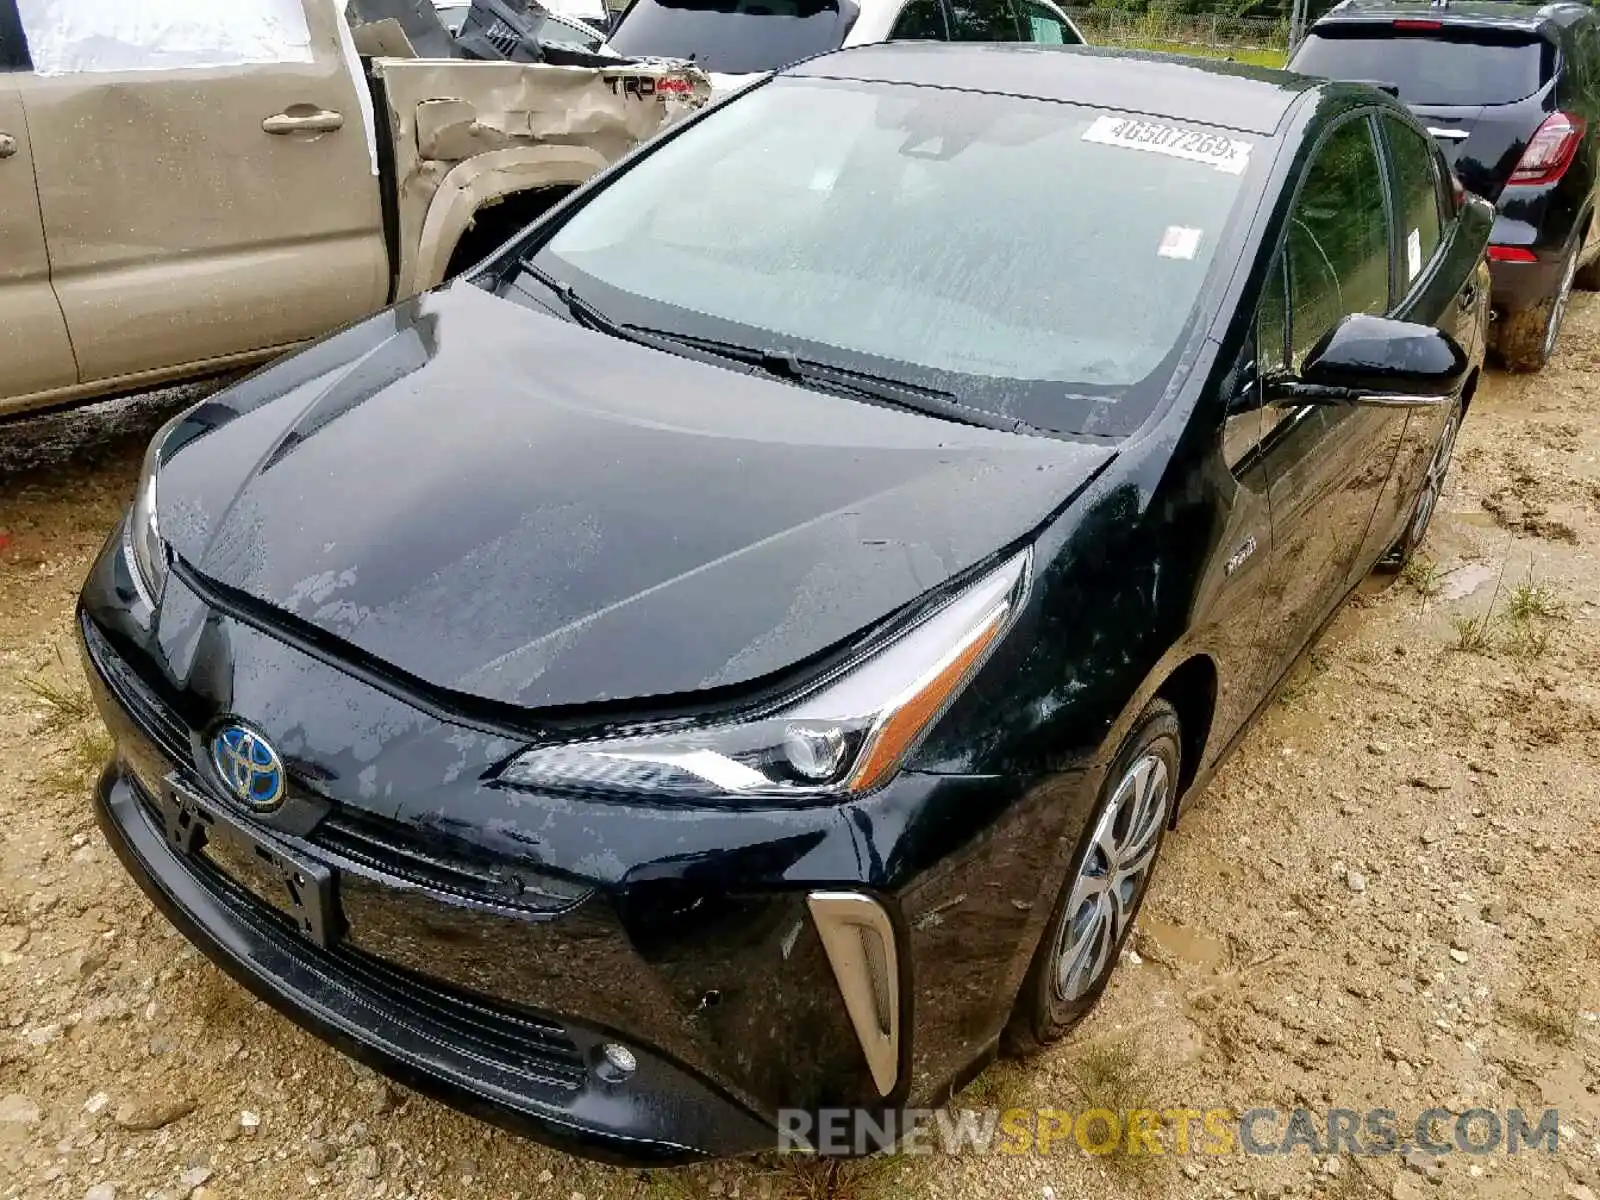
1197,145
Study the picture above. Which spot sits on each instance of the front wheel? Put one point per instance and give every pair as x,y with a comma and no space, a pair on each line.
1428,498
1105,886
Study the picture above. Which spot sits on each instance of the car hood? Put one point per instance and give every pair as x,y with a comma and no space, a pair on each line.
505,505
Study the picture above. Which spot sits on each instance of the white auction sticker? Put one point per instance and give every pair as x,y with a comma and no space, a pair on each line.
1413,254
1197,145
1179,241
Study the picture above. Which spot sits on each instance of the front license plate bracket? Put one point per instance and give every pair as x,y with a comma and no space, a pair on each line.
299,888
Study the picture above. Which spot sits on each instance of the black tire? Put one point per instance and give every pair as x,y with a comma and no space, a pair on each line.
1045,1011
1427,499
1526,341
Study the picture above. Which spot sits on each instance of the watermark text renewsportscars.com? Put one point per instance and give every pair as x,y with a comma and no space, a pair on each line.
1176,1131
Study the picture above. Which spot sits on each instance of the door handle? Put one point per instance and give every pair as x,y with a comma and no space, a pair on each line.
318,121
8,145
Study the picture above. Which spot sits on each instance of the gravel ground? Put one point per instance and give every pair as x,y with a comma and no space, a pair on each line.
1390,897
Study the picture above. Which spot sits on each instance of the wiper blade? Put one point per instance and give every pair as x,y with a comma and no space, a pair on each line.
577,307
785,364
862,385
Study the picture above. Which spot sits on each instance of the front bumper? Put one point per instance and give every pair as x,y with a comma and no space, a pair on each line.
525,1072
689,939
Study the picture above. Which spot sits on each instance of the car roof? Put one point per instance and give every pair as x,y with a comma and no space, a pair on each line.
1206,91
1490,14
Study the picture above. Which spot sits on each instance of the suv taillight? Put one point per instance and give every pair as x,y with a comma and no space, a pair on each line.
1550,150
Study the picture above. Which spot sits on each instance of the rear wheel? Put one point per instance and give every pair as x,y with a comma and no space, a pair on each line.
1526,341
1105,886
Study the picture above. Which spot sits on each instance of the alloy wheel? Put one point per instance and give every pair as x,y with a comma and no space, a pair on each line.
1113,876
1433,482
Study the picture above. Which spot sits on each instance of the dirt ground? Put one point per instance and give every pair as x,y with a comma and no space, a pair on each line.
1389,898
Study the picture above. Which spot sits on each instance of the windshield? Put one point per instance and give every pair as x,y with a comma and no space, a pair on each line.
1038,261
1446,67
736,37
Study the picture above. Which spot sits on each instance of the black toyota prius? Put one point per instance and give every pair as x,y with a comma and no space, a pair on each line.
737,652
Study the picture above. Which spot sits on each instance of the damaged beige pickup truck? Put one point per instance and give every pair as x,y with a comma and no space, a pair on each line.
190,187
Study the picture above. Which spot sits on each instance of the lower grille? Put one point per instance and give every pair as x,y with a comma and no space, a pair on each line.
391,850
529,1051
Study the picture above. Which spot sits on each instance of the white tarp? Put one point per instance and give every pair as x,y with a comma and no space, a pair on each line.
71,36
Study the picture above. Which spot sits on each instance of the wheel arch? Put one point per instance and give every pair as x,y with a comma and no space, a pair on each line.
1191,688
524,177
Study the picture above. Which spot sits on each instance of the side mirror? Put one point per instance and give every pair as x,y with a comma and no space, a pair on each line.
1373,360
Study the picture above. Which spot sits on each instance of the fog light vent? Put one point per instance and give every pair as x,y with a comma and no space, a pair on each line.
859,941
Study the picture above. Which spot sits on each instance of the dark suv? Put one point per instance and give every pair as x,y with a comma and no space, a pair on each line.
1512,93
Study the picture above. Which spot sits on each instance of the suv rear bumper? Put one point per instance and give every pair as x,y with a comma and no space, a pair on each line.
1518,287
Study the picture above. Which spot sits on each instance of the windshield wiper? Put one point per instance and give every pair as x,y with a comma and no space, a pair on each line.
785,364
581,311
862,385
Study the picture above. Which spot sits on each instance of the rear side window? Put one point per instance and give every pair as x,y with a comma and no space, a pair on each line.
1444,67
1043,27
920,21
1338,239
737,37
1416,178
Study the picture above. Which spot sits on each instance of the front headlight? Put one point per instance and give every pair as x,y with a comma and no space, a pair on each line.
846,736
146,551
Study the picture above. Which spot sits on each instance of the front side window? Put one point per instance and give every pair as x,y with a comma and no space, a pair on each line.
1272,324
1043,27
983,21
921,233
69,37
920,21
1338,239
736,37
1416,187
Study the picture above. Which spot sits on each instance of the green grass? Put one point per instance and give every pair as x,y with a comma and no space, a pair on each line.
1109,1075
1526,639
69,703
1423,576
1243,54
1475,635
1002,1085
1531,601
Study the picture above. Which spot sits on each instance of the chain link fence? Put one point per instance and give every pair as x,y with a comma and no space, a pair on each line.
1220,31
